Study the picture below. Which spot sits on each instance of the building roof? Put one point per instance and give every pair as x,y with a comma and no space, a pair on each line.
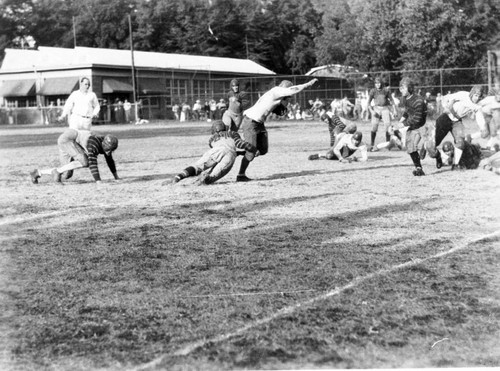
19,60
17,88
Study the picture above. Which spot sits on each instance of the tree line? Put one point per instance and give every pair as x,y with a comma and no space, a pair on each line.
286,36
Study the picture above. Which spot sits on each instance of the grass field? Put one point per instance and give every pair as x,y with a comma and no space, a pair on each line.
314,264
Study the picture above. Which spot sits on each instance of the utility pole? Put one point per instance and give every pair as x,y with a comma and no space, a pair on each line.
246,44
133,68
74,32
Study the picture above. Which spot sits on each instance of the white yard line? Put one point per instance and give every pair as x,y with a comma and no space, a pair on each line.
27,218
290,309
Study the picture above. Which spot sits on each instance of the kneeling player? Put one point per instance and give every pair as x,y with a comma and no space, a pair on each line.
78,149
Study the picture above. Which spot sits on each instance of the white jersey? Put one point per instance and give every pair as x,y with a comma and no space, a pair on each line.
264,106
270,100
81,107
488,104
346,140
461,103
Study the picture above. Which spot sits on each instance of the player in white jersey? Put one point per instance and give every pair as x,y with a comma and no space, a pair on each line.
456,106
489,129
81,107
345,148
254,130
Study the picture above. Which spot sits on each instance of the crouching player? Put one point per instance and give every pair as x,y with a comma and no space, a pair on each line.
219,160
79,149
347,145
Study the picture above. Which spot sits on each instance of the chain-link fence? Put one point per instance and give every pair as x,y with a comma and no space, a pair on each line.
352,85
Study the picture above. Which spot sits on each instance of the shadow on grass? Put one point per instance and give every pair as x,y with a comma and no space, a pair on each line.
186,248
349,168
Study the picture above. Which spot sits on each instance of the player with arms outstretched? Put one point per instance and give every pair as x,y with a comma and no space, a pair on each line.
274,101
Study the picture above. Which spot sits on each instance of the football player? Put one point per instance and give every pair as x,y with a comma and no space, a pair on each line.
219,160
274,101
347,145
78,149
413,118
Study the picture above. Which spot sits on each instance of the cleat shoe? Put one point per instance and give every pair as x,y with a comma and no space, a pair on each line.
67,174
314,157
374,149
242,178
418,172
176,179
56,176
34,175
439,162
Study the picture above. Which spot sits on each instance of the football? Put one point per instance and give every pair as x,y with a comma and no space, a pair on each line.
279,110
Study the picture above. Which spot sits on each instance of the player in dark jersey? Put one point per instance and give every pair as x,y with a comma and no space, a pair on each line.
382,98
78,149
238,102
414,118
335,125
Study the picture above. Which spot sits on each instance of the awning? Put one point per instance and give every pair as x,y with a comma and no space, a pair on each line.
17,88
116,86
59,86
151,86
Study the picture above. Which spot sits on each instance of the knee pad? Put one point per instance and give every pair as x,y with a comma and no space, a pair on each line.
460,143
249,156
485,133
431,148
83,159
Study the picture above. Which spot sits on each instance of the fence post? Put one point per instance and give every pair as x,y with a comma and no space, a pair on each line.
441,80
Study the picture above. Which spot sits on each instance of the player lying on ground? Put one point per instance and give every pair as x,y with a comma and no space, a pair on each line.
336,125
78,149
395,139
218,161
347,145
473,157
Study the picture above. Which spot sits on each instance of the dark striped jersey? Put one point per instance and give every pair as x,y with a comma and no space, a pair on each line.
415,111
238,142
333,121
94,149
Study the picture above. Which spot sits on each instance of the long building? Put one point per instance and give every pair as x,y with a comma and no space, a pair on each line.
32,80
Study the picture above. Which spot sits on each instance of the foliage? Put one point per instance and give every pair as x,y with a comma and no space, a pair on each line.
286,36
